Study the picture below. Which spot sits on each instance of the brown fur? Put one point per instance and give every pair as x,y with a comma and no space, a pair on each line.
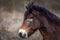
47,23
50,30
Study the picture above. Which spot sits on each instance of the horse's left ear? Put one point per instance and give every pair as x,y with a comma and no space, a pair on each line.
31,3
26,7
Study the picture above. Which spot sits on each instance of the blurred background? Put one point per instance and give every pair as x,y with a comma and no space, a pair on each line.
12,15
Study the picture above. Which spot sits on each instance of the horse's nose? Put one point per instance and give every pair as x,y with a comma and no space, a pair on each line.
22,34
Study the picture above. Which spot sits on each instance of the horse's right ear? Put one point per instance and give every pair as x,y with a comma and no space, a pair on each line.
31,3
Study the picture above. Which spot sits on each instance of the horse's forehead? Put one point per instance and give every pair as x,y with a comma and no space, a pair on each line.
28,14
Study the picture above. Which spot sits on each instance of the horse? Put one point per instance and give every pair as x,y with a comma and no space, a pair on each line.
40,18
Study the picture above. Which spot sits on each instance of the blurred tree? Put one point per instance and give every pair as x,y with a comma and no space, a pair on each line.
54,4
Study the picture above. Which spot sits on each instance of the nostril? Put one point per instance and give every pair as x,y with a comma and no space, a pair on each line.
23,35
20,34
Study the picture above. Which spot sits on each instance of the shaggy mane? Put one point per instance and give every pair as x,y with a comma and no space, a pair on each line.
50,16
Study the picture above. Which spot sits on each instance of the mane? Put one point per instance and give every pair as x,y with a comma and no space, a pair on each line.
49,16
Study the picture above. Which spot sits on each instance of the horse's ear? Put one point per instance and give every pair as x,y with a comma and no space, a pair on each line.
31,3
26,7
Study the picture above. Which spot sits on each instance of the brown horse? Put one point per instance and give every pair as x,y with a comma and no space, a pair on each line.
39,18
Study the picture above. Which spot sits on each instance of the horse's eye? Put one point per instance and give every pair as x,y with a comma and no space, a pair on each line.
30,20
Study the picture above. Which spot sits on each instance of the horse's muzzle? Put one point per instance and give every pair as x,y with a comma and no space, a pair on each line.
23,34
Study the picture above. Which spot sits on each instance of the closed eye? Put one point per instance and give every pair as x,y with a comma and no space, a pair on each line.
29,20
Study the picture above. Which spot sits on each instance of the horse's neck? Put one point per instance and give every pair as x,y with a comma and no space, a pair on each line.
45,12
48,15
52,18
50,23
